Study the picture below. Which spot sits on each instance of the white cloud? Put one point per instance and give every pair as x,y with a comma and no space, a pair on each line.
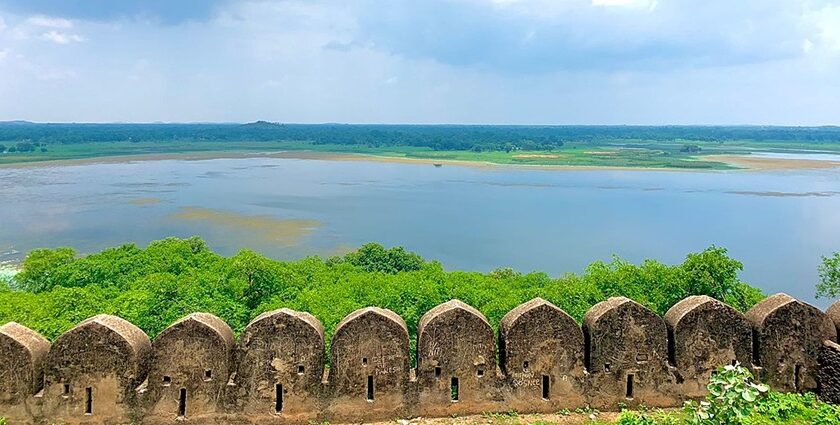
55,74
481,61
3,54
635,4
826,21
273,83
2,24
807,46
49,22
48,28
61,38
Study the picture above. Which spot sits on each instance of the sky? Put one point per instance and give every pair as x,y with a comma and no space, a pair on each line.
762,62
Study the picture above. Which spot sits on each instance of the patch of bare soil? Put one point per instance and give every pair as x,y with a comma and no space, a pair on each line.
536,155
764,163
506,419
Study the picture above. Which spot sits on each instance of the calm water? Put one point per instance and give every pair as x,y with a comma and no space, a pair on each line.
778,223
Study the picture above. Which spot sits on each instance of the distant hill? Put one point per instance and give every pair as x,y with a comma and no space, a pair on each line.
262,124
16,122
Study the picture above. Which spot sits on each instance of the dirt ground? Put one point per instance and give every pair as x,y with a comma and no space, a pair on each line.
512,419
763,163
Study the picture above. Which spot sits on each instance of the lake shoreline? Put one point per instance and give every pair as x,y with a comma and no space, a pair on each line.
745,162
332,156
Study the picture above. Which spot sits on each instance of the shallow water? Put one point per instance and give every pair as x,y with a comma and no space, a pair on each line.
778,223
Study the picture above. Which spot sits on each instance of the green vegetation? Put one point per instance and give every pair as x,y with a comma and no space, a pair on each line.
736,399
6,276
622,146
574,154
155,286
731,399
829,270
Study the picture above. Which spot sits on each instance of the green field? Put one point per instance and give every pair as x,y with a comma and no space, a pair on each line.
641,154
608,146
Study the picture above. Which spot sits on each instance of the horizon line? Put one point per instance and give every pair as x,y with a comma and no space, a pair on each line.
27,122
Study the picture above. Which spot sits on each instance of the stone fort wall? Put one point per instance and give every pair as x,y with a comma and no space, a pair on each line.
107,371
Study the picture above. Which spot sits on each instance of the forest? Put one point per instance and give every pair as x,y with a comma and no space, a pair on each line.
156,285
438,137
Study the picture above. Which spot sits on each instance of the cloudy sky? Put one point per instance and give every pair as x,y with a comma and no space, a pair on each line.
422,61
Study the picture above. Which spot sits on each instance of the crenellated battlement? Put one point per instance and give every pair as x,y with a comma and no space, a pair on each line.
107,371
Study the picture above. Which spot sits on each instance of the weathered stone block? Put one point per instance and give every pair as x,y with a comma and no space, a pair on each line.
830,372
833,313
369,366
281,363
22,356
456,362
92,372
626,347
787,338
704,334
23,352
541,354
190,371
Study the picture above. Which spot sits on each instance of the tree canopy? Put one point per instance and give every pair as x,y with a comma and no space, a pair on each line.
829,271
154,286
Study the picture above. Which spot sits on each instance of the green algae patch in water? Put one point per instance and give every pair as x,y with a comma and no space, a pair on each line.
287,232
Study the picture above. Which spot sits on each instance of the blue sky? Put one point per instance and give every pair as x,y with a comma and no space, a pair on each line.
422,61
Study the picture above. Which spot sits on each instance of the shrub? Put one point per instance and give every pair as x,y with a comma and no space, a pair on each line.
829,270
795,408
731,400
154,286
373,257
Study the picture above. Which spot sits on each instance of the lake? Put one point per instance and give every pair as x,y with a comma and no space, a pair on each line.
777,223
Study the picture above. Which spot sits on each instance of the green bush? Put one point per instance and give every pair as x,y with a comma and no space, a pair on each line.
731,400
373,257
5,283
829,272
735,398
783,408
154,286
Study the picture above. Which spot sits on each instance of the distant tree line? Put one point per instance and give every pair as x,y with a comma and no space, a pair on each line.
438,137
